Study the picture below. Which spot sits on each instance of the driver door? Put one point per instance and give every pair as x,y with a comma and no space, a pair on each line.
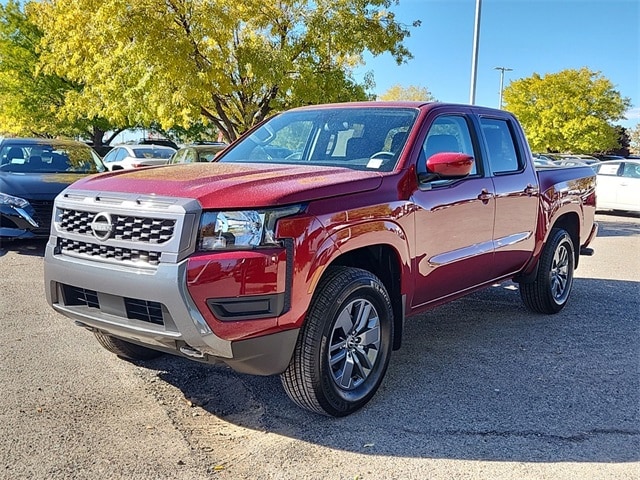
454,218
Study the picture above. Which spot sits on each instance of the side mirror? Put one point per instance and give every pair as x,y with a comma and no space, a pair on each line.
447,165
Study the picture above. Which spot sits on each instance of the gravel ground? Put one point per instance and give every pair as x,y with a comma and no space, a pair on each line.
482,389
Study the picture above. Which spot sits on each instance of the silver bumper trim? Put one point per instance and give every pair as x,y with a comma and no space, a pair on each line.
165,285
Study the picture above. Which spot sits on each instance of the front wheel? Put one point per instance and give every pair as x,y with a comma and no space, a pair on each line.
550,291
344,347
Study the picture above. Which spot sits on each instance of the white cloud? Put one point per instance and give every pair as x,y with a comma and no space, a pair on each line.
633,114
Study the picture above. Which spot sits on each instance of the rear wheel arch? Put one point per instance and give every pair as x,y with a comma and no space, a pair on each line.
570,222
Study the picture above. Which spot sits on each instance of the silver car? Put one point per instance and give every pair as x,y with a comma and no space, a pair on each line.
123,157
618,185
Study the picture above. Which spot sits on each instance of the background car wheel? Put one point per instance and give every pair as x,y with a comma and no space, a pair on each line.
550,291
124,349
344,347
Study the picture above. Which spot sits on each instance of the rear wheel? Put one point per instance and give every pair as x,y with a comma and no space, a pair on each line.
344,347
550,291
125,349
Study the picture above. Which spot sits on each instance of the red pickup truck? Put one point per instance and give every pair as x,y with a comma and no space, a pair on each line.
303,248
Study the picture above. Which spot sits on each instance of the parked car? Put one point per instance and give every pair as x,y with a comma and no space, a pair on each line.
606,158
197,153
32,173
125,157
618,185
165,142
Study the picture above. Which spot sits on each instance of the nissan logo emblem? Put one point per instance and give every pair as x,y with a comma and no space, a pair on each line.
101,226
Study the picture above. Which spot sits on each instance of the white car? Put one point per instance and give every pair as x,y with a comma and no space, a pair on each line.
133,156
618,185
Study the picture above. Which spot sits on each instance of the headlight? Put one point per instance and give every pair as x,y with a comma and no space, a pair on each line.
241,228
12,201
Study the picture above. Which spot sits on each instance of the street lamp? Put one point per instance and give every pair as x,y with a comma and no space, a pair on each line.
502,70
474,59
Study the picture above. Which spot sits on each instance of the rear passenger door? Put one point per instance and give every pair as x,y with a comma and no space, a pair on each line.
515,184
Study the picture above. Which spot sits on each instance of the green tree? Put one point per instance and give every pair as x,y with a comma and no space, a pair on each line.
231,62
568,111
34,103
412,92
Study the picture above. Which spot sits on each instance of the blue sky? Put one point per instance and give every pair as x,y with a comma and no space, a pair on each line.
529,36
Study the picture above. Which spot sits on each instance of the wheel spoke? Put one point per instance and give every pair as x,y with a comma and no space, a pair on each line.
365,360
344,377
362,317
344,323
371,336
338,357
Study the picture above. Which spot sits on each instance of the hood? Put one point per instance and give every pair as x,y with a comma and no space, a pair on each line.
233,185
36,186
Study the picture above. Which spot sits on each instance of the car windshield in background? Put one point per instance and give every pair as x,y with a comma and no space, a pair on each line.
150,152
49,158
355,138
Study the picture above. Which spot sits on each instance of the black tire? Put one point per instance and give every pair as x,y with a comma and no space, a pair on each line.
550,291
125,349
339,362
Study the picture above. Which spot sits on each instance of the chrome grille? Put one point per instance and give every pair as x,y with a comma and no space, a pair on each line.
136,229
107,252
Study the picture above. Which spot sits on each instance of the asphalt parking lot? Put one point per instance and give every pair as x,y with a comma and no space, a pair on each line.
482,389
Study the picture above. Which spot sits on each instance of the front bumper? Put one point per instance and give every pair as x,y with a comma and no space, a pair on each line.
17,222
110,299
132,282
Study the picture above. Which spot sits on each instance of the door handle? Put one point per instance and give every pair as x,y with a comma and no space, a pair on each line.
531,190
485,196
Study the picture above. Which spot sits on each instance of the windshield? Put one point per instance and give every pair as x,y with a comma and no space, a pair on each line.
355,138
49,158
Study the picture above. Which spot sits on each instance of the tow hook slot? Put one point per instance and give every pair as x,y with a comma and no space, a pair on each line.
191,352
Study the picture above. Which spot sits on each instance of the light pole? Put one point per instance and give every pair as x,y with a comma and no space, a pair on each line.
502,70
474,59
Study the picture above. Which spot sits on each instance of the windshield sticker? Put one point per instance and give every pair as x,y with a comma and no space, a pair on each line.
374,163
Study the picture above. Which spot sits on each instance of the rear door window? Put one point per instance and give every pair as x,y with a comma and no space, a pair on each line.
500,146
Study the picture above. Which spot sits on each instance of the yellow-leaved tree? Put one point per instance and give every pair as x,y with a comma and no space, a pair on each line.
232,62
411,93
33,101
569,111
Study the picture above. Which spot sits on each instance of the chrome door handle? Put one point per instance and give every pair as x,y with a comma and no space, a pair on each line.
485,196
531,190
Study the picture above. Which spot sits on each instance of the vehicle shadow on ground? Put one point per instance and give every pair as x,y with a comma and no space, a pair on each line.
617,228
24,247
480,378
